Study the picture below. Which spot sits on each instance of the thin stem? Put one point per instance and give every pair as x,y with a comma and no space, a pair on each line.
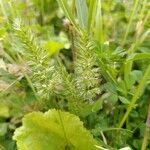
147,130
136,95
61,122
8,57
112,129
143,9
28,78
132,49
73,49
14,82
63,128
73,8
145,140
148,118
130,21
106,73
64,5
42,12
12,9
30,84
140,38
104,138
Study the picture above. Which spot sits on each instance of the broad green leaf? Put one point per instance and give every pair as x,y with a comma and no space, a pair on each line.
82,13
53,47
53,130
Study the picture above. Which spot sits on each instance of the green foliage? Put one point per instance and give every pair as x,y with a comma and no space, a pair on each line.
36,55
82,13
4,110
89,58
55,130
52,79
53,47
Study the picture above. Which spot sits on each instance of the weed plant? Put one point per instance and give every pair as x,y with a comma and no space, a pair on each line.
74,70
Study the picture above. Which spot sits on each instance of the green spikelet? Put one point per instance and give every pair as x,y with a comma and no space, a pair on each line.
87,75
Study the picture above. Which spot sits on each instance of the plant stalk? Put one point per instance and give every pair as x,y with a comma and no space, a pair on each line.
130,21
136,96
147,131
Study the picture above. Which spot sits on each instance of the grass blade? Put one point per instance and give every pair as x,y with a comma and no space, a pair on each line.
82,13
138,56
3,10
63,4
91,14
128,65
147,131
136,95
98,23
130,21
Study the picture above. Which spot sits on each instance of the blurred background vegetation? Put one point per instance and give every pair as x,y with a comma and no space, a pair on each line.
48,24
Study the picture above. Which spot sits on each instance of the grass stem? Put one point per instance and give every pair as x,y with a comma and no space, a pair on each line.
130,21
147,131
136,95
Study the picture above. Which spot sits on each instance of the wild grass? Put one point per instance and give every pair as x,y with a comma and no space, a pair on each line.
102,75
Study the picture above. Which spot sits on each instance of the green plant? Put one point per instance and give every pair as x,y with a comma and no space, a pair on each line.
58,131
96,67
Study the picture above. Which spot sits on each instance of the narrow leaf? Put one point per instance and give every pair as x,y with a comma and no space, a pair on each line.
82,13
91,13
98,23
124,100
136,95
138,56
64,5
